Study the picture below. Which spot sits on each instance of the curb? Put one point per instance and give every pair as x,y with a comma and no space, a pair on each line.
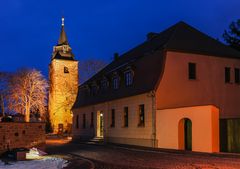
165,151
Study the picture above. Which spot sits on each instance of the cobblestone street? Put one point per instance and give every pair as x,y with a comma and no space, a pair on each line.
115,157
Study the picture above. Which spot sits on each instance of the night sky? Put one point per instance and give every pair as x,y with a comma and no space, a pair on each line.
97,29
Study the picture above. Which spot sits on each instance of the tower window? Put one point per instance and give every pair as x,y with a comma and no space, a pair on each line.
237,76
192,71
227,74
66,70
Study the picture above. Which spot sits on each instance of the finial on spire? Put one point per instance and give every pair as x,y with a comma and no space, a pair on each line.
62,21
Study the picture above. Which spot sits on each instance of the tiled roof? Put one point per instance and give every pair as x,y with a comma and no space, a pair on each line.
147,62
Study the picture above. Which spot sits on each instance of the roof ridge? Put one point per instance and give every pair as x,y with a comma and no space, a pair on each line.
173,34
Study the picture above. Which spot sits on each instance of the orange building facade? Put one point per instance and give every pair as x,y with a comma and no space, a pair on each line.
178,90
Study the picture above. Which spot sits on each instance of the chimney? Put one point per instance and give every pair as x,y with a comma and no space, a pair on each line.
116,56
151,35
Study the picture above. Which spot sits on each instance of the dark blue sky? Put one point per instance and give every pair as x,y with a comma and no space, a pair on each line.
96,29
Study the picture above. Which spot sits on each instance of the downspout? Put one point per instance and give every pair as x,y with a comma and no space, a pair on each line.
152,95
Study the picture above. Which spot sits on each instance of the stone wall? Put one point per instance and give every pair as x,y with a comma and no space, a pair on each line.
63,92
17,135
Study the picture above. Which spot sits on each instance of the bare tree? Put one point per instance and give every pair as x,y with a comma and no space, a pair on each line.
3,89
88,68
27,92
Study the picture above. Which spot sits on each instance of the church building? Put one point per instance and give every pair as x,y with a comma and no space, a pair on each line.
180,89
63,79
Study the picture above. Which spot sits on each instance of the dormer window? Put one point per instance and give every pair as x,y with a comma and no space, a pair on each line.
66,70
128,75
94,90
104,84
115,82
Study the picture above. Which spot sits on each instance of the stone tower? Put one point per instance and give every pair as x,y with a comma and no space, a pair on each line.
63,78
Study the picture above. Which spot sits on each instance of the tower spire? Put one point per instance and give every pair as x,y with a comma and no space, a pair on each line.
63,37
63,21
62,50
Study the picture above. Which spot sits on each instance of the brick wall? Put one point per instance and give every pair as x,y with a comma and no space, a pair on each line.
16,135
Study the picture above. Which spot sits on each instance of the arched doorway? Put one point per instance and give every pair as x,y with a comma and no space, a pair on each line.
185,134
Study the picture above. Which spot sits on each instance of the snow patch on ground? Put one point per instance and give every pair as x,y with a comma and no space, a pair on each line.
44,163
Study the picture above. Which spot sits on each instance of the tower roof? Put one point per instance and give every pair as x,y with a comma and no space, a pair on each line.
63,37
62,50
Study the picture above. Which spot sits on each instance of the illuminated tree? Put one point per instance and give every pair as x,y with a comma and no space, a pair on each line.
27,92
232,36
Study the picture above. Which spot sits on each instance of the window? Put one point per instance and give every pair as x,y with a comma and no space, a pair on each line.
84,121
128,78
77,121
113,118
237,75
91,125
66,69
227,74
94,90
192,71
104,84
141,115
116,82
125,117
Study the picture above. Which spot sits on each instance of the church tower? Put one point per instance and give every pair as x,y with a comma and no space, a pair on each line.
63,78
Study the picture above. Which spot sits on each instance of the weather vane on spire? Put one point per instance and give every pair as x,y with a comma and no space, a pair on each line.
62,21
